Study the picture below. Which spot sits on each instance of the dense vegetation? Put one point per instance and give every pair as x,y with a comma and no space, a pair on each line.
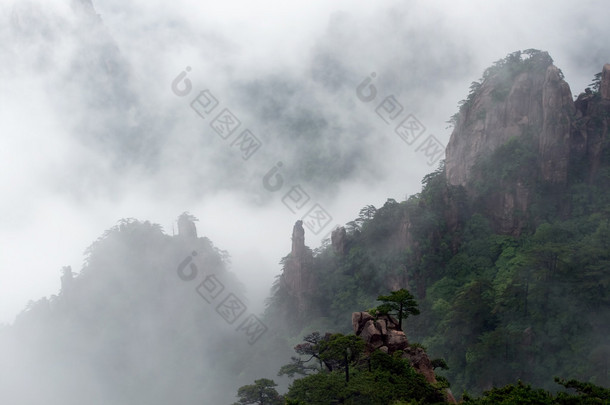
385,379
497,307
343,369
500,307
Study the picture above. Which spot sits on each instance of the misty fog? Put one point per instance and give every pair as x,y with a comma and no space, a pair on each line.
106,125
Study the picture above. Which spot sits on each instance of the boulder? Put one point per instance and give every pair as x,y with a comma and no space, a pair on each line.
396,340
359,319
379,332
372,335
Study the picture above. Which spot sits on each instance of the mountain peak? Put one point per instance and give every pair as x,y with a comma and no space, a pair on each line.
507,102
525,96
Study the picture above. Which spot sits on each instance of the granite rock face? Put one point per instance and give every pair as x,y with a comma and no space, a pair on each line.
526,98
536,101
558,112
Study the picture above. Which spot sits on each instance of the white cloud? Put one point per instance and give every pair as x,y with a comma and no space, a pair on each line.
61,186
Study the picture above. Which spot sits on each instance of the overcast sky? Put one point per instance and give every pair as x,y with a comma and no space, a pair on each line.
91,131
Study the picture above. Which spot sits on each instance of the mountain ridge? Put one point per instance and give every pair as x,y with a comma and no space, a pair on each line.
497,260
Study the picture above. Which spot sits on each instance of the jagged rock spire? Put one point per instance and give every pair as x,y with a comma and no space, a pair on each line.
298,239
297,279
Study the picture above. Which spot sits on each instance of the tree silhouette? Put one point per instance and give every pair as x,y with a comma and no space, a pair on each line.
401,302
262,392
342,350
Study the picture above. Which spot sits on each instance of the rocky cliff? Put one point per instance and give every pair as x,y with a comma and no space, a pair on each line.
525,97
502,106
525,94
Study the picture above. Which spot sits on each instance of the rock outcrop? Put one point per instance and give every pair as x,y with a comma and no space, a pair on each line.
297,279
338,239
501,108
298,240
536,101
383,333
525,97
